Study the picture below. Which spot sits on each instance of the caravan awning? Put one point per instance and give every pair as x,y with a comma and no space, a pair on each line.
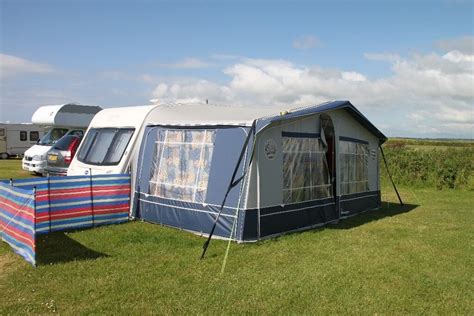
215,115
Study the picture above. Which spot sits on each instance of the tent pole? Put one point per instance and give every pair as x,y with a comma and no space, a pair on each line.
232,184
390,176
236,219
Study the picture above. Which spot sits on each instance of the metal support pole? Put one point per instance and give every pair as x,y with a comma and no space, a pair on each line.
390,176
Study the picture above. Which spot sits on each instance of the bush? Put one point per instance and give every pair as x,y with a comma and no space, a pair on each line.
450,168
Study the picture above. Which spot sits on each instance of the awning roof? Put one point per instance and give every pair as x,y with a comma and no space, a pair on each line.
207,114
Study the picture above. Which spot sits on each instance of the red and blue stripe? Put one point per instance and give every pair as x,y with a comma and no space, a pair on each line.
60,203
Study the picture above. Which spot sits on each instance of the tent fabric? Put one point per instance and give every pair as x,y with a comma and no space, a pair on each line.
189,211
324,107
175,114
299,191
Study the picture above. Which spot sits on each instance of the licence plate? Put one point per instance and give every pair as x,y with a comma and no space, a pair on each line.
52,157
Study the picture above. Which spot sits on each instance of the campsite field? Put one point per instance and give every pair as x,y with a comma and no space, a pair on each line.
11,168
412,259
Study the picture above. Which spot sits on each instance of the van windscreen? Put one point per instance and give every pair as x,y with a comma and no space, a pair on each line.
105,146
52,136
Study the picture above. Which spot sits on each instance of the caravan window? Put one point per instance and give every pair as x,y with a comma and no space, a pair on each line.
305,170
182,161
353,160
34,136
105,146
2,132
23,135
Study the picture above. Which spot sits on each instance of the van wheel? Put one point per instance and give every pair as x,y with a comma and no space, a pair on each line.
3,156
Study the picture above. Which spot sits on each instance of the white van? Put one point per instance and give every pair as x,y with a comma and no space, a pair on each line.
111,141
61,120
16,138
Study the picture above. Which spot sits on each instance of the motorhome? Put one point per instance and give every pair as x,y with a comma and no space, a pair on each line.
16,138
111,141
60,120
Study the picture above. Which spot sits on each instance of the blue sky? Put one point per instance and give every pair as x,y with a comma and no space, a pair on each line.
407,64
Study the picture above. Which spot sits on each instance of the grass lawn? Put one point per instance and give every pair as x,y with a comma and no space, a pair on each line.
416,259
11,168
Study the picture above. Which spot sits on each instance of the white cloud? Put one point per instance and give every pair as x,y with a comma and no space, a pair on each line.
306,42
12,66
458,57
432,89
353,76
453,115
464,44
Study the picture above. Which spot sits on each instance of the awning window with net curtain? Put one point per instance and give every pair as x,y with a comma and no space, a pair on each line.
181,168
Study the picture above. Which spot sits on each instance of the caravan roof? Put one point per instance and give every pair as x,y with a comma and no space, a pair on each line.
122,116
70,114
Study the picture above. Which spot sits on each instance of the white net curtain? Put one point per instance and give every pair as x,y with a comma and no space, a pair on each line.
181,165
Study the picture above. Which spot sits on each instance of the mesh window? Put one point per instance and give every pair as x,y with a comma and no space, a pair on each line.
182,161
353,159
305,171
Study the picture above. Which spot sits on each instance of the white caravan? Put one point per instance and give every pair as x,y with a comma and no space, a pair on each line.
112,141
61,120
16,138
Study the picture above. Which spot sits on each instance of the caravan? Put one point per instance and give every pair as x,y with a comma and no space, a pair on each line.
111,141
66,119
16,138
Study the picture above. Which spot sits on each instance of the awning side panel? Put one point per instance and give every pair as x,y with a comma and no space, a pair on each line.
182,182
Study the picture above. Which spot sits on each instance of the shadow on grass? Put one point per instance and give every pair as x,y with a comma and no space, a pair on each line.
60,248
388,209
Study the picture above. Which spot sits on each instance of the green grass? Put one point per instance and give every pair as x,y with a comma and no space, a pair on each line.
416,259
11,168
417,142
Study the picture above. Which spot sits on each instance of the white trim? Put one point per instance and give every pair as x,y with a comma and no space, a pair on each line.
185,143
298,209
308,187
303,152
354,154
184,208
357,198
292,203
146,195
80,203
354,182
19,223
331,197
12,191
177,185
